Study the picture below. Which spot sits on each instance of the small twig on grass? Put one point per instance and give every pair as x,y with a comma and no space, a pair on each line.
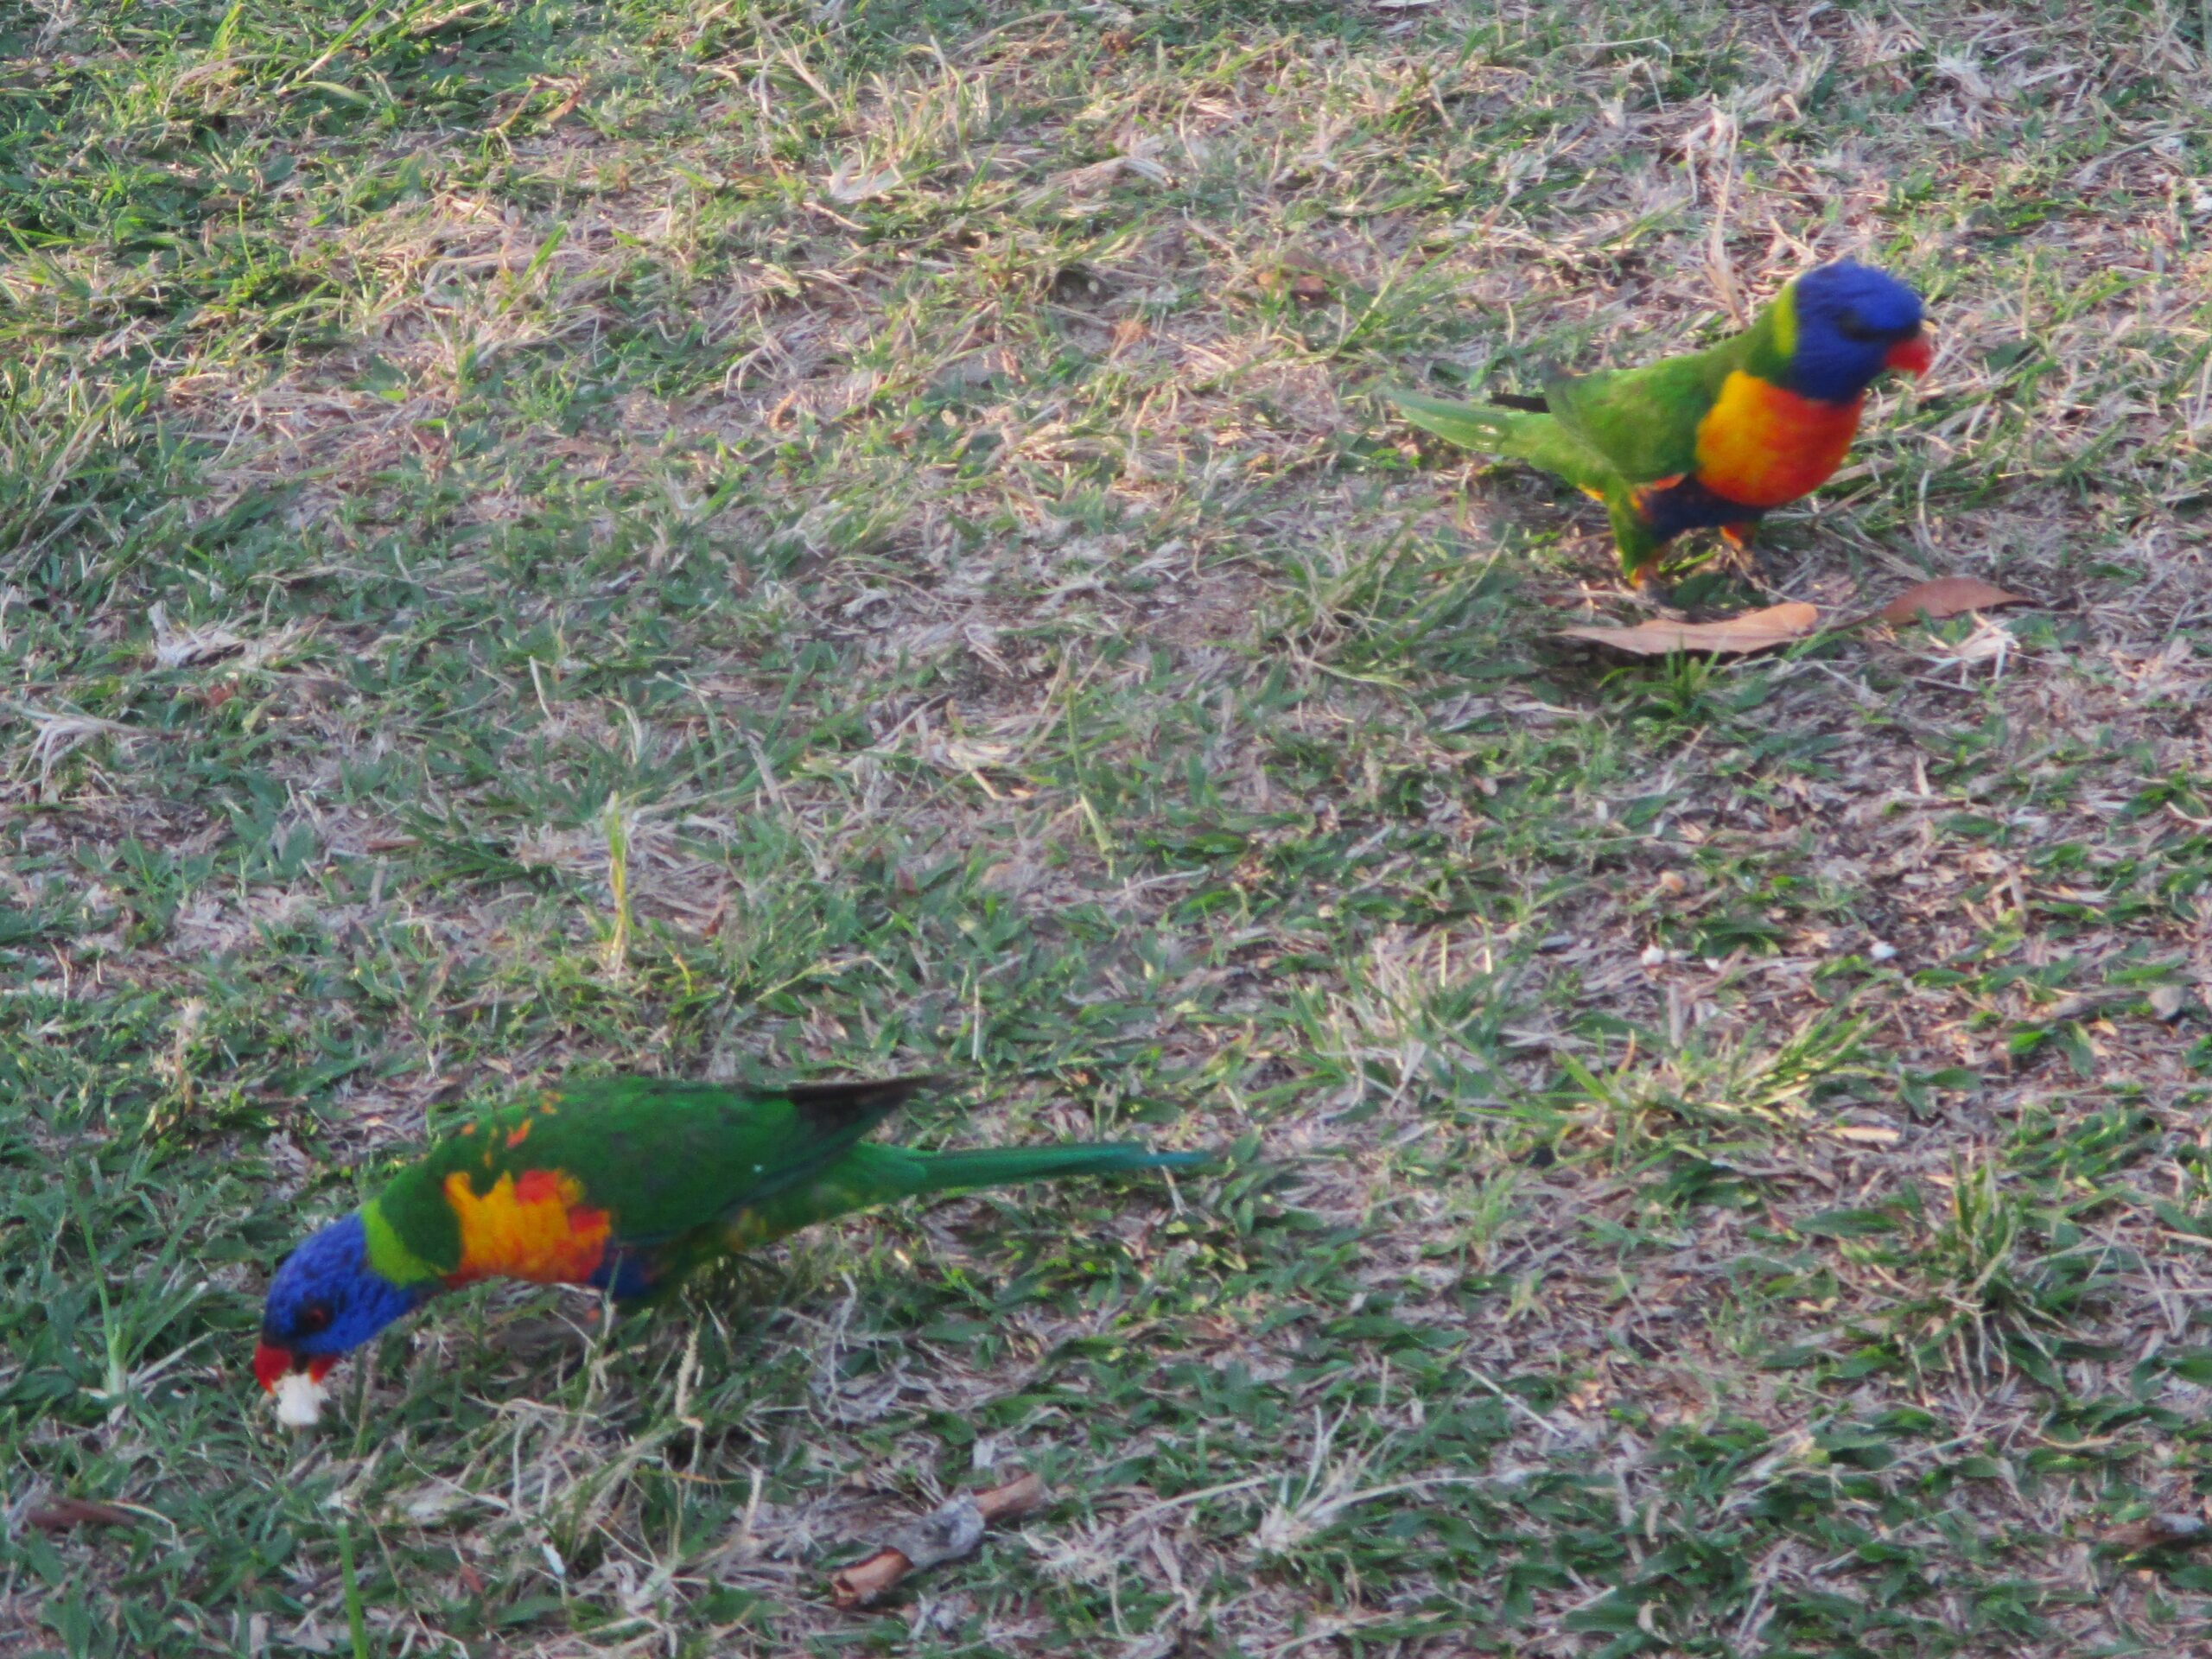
947,1533
65,1514
2158,1533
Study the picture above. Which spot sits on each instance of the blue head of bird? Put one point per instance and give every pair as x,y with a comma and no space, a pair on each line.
326,1299
1853,322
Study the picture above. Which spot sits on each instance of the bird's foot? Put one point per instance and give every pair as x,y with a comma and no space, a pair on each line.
1650,591
1748,558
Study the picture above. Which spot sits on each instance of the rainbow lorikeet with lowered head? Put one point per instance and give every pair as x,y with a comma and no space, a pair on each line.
1713,439
625,1184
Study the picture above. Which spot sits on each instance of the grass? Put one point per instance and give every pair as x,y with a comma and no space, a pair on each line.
765,540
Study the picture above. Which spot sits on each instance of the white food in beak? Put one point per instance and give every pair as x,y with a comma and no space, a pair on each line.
299,1400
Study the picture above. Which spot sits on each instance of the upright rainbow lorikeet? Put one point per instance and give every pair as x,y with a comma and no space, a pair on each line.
626,1184
1715,438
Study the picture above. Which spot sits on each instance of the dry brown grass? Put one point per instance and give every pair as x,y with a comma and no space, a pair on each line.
1020,372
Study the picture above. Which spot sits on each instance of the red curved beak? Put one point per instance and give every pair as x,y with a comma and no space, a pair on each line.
1914,356
271,1364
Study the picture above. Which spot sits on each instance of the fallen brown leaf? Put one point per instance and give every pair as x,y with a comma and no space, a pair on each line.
1303,285
1945,596
65,1514
1778,624
947,1533
2160,1532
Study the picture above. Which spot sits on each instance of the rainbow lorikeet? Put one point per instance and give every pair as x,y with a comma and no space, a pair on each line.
625,1184
1715,438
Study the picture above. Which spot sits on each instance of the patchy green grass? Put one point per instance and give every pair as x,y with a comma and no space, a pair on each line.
759,540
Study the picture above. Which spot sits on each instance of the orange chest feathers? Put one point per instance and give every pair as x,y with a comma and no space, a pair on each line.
537,1228
1763,446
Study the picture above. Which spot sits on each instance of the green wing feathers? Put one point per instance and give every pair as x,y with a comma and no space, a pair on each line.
1541,440
660,1158
1607,433
1644,421
677,1156
682,1172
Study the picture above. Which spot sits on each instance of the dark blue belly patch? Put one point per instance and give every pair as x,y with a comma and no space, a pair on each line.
625,1273
1670,509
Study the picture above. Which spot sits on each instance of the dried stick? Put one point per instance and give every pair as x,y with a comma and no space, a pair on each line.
947,1533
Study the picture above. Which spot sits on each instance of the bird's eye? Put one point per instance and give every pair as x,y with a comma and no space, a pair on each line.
1852,328
314,1319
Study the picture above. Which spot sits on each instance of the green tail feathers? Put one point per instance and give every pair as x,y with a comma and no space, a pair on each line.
941,1170
1487,427
1541,440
